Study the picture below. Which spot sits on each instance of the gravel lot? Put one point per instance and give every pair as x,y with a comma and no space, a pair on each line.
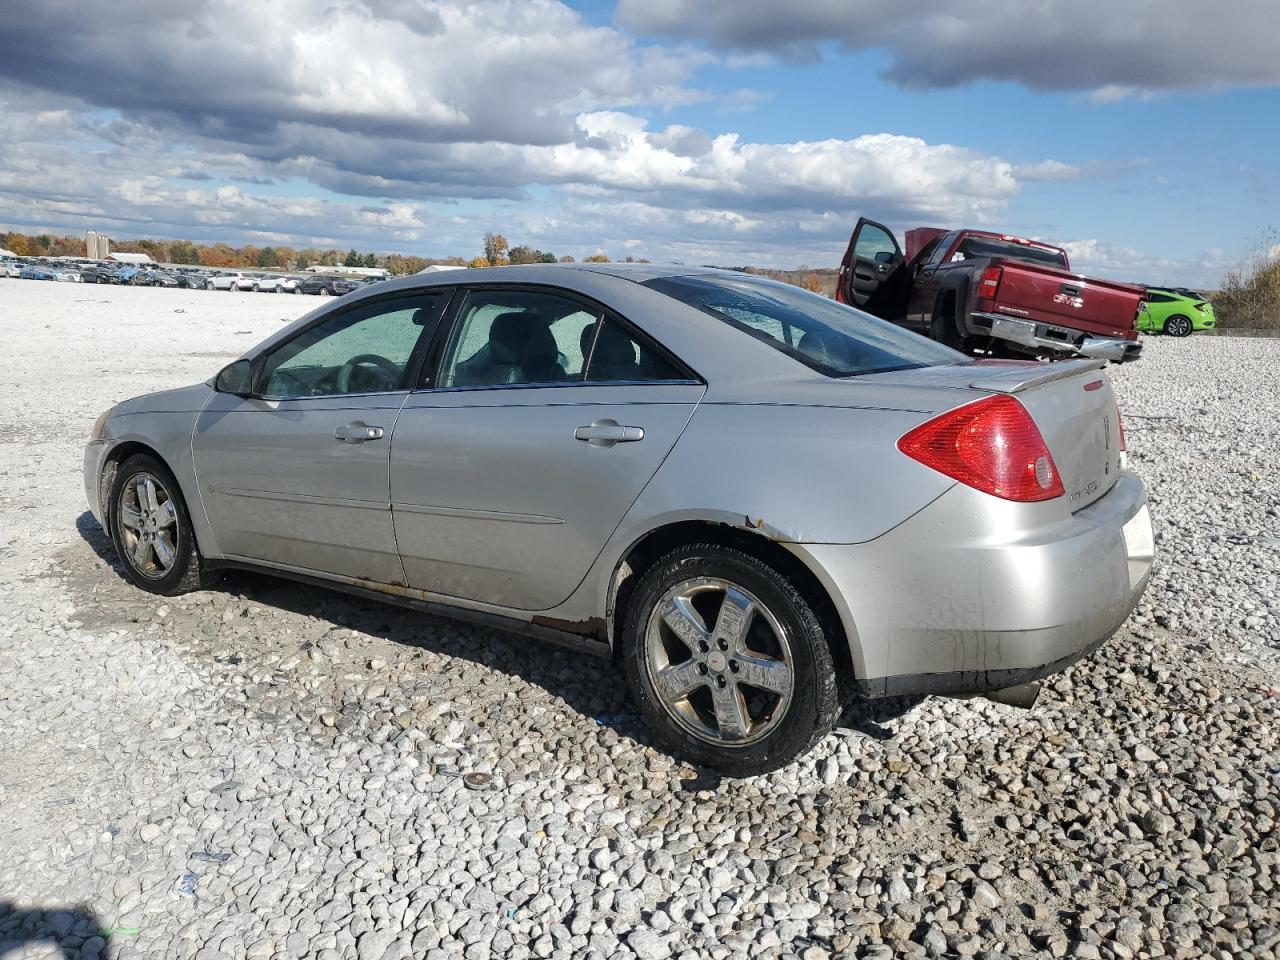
267,770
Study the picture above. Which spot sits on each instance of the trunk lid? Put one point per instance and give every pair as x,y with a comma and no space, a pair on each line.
1078,419
1071,402
1100,307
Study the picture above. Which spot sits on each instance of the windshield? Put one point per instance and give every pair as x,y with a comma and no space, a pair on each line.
973,247
833,339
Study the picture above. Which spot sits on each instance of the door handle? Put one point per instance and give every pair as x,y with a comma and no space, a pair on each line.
358,432
606,432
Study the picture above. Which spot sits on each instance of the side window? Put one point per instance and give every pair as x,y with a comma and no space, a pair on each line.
938,252
517,336
875,244
1159,298
616,356
363,350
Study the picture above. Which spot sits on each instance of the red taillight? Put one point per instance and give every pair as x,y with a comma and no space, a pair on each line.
992,445
989,283
1202,307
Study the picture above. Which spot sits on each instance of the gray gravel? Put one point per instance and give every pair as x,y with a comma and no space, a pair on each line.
266,770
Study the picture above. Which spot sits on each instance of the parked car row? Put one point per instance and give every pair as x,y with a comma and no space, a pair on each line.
190,278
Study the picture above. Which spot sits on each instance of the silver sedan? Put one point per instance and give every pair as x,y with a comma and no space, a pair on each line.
760,501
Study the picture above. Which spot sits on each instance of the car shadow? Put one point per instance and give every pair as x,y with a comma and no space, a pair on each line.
592,686
74,931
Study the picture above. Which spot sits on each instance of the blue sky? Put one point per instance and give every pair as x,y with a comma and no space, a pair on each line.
689,130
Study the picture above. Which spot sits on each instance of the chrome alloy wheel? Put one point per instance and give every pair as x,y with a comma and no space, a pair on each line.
148,523
719,661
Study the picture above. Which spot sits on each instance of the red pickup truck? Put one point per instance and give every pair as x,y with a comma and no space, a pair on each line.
976,290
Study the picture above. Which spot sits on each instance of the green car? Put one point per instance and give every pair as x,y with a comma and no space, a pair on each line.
1175,312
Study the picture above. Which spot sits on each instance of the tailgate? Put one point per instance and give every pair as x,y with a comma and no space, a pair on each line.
1099,307
1073,405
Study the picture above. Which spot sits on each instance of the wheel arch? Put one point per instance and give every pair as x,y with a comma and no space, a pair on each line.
658,541
953,294
118,454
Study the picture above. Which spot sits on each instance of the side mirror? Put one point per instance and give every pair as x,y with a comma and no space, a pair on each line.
235,378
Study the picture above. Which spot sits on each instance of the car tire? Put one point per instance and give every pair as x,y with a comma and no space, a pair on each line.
156,547
1178,326
296,290
324,291
944,330
769,726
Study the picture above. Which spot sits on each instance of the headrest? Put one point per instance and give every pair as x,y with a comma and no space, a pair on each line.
823,346
614,347
521,337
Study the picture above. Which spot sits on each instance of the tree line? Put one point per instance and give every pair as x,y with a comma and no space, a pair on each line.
498,252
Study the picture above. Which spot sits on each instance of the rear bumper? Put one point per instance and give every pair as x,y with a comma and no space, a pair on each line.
956,600
1059,339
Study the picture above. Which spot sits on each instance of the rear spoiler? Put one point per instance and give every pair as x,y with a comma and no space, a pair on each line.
1006,379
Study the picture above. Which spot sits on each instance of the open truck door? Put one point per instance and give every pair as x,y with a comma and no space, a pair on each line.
871,271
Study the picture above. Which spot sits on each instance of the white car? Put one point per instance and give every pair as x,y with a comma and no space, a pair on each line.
230,280
275,284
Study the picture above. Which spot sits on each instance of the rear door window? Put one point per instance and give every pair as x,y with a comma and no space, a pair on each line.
832,338
507,337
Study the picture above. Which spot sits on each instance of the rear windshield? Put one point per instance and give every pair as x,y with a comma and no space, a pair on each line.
972,247
830,337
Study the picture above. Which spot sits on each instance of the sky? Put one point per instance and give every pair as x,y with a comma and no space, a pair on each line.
1140,135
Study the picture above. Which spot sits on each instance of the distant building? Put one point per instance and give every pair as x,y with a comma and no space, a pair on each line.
441,268
6,254
134,259
96,245
376,272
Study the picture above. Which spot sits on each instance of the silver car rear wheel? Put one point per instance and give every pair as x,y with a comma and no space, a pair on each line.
719,661
147,518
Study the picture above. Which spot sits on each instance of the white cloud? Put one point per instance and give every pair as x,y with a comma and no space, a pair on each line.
1113,48
1125,263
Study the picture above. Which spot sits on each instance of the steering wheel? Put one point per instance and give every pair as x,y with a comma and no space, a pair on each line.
343,377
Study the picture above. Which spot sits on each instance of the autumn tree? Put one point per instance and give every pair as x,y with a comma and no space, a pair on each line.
547,258
567,259
524,254
495,249
600,257
17,243
183,251
812,282
479,262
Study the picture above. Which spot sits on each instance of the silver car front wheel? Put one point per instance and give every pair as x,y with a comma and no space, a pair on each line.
151,529
148,520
